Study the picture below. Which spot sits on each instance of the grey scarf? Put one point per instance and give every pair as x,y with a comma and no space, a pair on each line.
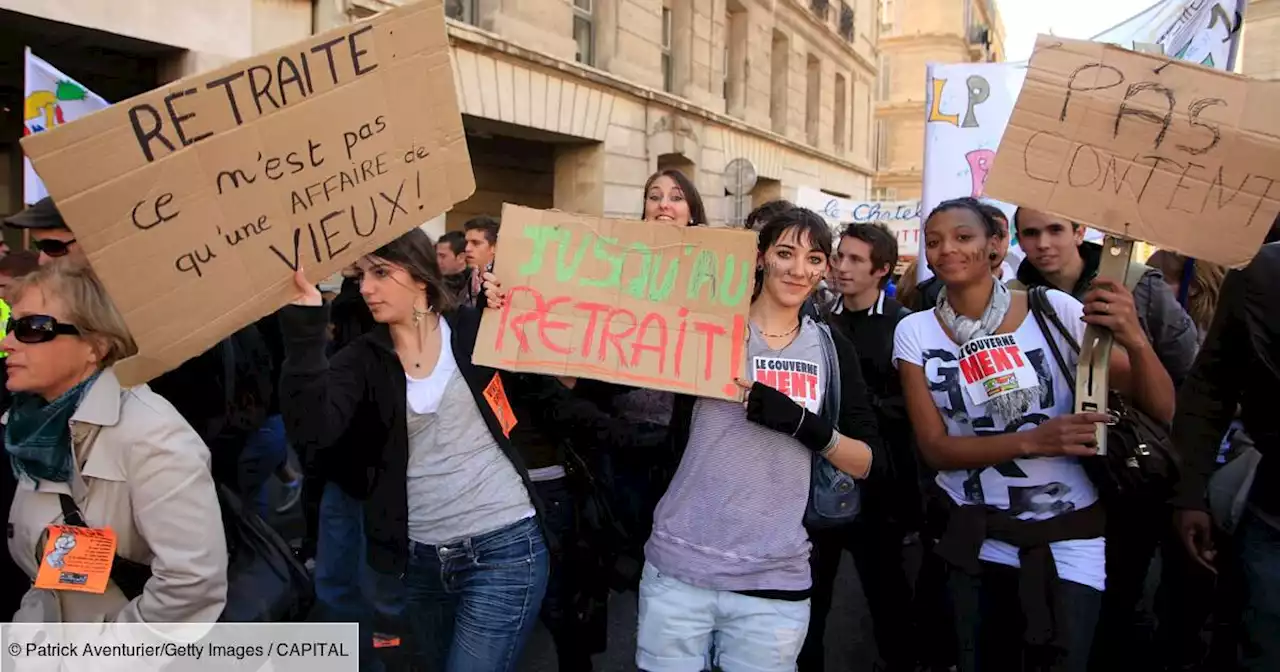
1008,407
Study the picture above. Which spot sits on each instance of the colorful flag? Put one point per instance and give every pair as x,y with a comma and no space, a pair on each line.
50,99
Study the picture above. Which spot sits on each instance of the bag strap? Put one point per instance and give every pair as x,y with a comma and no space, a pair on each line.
70,512
1042,310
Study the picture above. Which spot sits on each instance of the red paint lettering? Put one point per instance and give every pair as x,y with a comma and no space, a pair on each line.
969,367
640,346
738,341
595,309
517,324
766,377
711,330
1001,360
813,386
984,363
544,324
682,313
799,384
1015,353
607,336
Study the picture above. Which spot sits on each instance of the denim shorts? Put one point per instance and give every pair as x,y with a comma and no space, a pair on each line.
688,629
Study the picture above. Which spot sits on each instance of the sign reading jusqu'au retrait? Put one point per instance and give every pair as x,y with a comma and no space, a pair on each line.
642,304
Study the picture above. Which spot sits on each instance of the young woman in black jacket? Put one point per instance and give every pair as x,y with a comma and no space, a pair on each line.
448,505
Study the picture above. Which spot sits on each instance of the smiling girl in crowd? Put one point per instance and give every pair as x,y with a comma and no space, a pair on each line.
1008,460
728,561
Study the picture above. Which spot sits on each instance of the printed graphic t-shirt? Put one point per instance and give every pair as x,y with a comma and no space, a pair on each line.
733,516
1032,488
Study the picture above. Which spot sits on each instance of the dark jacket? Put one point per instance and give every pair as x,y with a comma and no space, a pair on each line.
871,333
1239,364
354,406
1168,326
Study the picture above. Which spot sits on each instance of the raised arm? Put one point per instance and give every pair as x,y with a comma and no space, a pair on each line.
318,397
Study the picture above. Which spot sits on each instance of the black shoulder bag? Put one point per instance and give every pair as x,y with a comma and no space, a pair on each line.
1140,462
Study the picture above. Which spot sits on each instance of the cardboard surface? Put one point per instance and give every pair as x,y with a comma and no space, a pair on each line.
645,305
196,201
1145,147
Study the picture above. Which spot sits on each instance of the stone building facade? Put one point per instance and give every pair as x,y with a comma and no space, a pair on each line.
914,33
567,103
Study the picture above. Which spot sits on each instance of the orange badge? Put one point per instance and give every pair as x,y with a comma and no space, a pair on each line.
497,398
77,558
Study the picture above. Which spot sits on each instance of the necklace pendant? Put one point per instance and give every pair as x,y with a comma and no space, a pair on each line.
417,366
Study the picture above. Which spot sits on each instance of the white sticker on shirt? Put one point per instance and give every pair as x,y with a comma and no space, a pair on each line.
994,366
796,378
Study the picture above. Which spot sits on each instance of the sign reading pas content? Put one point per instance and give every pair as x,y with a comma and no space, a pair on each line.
1145,147
646,305
196,202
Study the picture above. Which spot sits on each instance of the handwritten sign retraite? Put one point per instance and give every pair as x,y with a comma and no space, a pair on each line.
642,304
195,202
1145,147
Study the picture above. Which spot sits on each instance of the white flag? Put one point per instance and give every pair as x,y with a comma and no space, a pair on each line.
50,98
1201,31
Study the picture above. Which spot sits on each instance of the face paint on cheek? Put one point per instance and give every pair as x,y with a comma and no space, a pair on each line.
774,268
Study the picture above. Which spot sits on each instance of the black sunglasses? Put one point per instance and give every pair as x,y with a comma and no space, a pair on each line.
53,247
39,329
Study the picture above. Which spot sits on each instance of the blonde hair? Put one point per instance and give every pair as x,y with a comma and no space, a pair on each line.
88,307
1202,293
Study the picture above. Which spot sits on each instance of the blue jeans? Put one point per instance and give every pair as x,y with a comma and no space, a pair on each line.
264,452
473,603
347,589
1259,548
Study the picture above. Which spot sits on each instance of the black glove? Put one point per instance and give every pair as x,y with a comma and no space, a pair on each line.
775,410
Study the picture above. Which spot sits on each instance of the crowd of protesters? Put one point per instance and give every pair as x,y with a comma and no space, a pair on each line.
447,535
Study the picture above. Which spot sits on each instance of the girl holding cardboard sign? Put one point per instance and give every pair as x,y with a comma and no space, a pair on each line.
994,415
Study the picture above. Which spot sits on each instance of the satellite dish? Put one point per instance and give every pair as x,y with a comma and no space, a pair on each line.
740,177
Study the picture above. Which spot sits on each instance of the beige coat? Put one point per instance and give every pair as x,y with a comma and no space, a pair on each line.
142,471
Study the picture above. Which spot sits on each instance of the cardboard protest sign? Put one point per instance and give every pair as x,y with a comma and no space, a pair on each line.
646,305
197,201
1145,147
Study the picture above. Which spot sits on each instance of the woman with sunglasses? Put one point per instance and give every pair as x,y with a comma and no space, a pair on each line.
89,453
993,414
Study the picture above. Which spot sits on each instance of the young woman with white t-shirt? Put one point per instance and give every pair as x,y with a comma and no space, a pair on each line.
993,414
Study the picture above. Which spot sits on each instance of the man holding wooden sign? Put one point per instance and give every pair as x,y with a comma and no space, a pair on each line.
196,202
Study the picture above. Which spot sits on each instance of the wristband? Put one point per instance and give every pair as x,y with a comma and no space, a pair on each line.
831,445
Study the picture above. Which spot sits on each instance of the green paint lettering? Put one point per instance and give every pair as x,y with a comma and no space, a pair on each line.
540,235
728,296
637,285
603,251
657,293
704,271
567,271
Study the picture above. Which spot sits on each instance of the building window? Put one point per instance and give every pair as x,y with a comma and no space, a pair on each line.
813,99
846,22
779,69
884,79
882,145
841,131
584,31
668,74
884,194
888,17
820,8
735,59
461,10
